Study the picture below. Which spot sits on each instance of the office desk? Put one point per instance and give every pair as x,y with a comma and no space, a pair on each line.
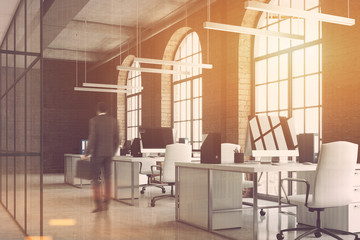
195,202
125,178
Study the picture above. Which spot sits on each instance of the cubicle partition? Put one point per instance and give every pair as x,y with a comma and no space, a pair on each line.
20,118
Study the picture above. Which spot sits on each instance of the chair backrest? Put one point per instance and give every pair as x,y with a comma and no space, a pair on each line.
177,152
335,171
227,152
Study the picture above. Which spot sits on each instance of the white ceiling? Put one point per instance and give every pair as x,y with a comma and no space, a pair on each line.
73,29
96,30
7,10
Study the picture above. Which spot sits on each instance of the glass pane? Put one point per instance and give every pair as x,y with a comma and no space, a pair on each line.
3,73
298,92
260,96
11,37
298,63
260,46
183,129
312,120
312,90
188,110
11,185
196,92
299,120
20,28
196,129
284,66
312,59
196,109
312,30
273,69
183,90
260,72
285,28
33,199
176,111
33,26
283,95
273,97
182,111
273,42
20,115
20,190
297,28
200,107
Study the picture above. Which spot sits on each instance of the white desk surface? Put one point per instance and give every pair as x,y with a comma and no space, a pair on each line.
251,167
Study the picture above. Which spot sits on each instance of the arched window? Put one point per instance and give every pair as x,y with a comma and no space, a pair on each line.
288,73
187,92
133,111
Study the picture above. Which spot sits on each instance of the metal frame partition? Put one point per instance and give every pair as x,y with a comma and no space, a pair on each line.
21,162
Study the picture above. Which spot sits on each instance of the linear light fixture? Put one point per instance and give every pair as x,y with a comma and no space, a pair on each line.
173,63
85,89
258,6
111,86
151,70
246,30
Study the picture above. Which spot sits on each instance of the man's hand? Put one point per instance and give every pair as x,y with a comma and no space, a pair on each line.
84,157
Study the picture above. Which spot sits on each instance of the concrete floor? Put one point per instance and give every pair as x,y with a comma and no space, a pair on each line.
131,222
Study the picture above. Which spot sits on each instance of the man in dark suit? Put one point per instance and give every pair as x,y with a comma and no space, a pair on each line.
102,145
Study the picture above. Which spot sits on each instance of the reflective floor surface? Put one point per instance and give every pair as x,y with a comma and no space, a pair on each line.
67,216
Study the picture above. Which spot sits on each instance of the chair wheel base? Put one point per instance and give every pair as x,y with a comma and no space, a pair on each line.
152,204
279,236
163,190
142,191
317,234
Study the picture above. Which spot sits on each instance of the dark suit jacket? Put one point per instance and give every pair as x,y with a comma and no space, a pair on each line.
103,136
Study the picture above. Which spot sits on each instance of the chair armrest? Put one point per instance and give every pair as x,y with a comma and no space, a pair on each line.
297,180
140,167
156,166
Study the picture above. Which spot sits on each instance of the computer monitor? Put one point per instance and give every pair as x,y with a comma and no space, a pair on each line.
271,136
154,140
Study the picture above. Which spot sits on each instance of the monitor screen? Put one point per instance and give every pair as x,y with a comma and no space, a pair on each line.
156,137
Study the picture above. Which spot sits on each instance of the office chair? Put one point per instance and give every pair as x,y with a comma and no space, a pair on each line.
174,153
145,169
333,186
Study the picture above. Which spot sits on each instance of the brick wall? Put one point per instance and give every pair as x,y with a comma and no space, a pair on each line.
341,71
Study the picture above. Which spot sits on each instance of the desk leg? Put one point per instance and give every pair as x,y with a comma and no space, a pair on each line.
115,187
177,192
210,197
279,195
255,206
132,184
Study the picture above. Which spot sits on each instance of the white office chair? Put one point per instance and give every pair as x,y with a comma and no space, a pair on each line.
333,186
177,152
145,169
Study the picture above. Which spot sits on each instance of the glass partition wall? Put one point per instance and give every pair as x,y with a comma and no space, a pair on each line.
20,118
